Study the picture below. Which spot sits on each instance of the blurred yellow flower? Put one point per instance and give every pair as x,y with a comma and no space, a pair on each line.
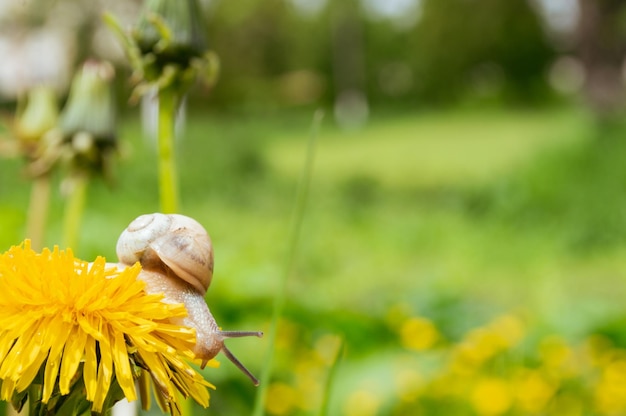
418,334
310,391
327,347
408,383
71,321
509,328
483,343
478,346
281,399
533,391
554,352
491,396
362,403
610,392
599,349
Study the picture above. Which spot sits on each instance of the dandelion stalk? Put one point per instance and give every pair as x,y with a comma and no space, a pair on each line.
88,138
35,118
294,243
167,51
38,210
168,182
74,208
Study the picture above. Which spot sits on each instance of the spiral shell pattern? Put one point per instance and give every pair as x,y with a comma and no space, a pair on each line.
175,241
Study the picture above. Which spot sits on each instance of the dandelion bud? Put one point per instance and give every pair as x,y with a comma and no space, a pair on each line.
168,48
37,117
172,30
90,106
90,112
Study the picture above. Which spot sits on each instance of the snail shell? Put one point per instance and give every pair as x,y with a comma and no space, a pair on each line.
173,240
176,257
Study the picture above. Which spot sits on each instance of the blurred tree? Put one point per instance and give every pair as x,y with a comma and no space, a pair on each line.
601,46
275,54
258,42
389,67
461,46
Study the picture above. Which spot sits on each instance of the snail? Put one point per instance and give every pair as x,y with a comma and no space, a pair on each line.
176,256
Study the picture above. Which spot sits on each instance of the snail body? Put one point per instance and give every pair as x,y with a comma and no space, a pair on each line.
176,256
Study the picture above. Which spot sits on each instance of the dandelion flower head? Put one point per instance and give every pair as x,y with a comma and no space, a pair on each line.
67,326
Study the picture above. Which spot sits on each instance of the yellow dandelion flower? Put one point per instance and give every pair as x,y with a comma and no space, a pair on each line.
67,325
281,399
418,334
610,391
555,353
491,396
362,402
534,391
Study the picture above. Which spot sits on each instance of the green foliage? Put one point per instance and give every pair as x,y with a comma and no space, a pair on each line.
470,46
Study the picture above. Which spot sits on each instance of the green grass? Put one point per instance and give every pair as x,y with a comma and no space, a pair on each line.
457,216
438,202
436,149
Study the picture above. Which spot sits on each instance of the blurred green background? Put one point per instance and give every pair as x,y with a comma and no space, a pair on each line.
465,230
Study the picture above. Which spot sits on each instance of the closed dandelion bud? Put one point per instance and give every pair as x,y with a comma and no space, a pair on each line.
35,129
88,123
167,48
172,31
38,116
90,105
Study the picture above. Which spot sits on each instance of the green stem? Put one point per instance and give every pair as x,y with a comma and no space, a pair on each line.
168,185
38,211
294,239
74,209
332,372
